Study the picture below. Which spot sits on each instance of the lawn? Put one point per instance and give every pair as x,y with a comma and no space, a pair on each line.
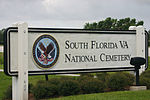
5,82
1,60
1,66
120,95
149,63
35,79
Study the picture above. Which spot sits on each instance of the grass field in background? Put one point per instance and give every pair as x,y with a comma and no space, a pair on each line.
35,79
1,66
5,82
1,53
120,95
149,63
1,60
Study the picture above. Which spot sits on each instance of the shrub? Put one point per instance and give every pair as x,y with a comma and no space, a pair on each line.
67,78
8,94
55,81
1,58
69,87
145,79
130,78
83,78
86,75
117,81
30,86
43,90
103,76
91,85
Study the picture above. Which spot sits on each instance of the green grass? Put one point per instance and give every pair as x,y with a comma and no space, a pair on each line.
1,66
121,95
1,53
35,79
5,82
1,60
149,63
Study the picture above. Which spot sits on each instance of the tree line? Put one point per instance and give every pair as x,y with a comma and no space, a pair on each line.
1,36
113,24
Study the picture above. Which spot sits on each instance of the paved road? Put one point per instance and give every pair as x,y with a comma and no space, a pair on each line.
1,70
1,48
69,74
148,51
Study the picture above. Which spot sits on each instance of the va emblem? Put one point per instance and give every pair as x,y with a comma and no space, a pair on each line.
45,51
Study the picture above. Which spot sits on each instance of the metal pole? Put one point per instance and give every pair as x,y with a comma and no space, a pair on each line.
137,76
14,82
14,87
140,43
20,82
46,77
23,61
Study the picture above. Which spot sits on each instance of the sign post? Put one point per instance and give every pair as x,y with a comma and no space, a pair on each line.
137,62
141,48
43,51
20,82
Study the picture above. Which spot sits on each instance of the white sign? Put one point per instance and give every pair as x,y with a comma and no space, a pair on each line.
58,51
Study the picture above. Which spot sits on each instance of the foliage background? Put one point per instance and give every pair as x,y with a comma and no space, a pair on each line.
113,24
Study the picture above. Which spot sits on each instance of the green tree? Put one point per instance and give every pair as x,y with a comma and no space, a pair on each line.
149,38
113,24
1,36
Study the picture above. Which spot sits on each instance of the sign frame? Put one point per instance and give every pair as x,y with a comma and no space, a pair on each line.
63,30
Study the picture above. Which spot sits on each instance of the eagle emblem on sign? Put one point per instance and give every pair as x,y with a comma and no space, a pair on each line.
45,51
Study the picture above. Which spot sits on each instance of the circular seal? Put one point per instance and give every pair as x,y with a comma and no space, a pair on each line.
45,51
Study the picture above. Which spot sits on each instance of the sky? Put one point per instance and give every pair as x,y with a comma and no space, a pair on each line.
71,13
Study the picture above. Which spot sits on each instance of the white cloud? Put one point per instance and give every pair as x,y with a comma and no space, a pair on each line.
70,13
